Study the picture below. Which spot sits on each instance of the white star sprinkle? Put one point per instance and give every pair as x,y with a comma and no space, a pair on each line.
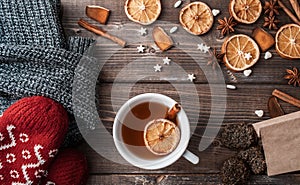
157,68
167,61
200,46
206,49
141,49
191,77
203,48
248,56
143,31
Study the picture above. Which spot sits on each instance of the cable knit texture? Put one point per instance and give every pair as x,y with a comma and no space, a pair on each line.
31,131
31,22
69,168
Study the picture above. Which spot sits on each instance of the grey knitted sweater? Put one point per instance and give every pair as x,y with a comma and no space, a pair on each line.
31,22
36,59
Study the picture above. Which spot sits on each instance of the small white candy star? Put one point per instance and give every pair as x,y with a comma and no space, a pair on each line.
206,49
248,56
143,31
203,48
141,49
157,68
191,77
167,61
200,46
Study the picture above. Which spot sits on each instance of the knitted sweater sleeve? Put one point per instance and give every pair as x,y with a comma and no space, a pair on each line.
45,71
34,22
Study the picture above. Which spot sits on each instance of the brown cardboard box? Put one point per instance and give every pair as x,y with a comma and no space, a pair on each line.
281,142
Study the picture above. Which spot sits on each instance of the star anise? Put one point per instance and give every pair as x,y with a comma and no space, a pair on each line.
219,57
226,25
293,76
271,23
271,7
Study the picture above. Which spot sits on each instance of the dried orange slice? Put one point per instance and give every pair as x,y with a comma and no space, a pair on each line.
241,52
161,136
288,41
245,11
144,12
196,18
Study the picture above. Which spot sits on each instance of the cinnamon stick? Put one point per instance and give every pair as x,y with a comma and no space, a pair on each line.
172,113
288,12
101,32
287,98
296,7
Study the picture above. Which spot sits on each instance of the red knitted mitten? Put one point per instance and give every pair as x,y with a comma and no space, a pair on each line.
69,167
31,131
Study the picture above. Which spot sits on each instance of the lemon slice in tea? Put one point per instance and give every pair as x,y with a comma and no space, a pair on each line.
161,136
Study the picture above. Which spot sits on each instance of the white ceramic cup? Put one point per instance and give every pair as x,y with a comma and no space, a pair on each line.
162,161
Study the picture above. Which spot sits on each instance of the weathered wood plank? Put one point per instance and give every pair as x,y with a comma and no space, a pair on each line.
192,179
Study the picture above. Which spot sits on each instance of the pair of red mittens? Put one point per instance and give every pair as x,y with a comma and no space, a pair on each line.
31,132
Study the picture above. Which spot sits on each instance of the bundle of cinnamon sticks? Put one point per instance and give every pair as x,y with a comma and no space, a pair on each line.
296,8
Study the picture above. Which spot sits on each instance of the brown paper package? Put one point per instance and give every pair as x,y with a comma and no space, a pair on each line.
281,142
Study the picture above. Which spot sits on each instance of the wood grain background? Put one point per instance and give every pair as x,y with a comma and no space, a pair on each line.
252,94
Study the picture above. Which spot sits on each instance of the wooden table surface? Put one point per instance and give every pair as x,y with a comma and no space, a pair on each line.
252,93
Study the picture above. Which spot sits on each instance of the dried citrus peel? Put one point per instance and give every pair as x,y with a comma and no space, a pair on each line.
196,18
246,12
241,52
288,41
144,12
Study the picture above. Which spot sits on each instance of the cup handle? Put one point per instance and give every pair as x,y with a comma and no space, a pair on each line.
191,157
